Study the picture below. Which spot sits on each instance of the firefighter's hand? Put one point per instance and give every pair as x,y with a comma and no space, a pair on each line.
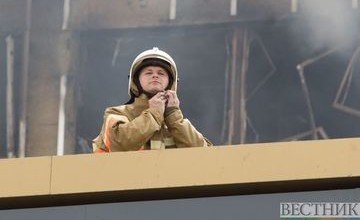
158,102
172,99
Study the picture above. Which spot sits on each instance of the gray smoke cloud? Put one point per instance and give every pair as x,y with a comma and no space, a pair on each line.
329,22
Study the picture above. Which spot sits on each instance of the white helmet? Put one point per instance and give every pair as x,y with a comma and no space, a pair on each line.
139,63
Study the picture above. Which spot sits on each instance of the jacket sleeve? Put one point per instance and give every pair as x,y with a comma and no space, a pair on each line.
183,132
124,135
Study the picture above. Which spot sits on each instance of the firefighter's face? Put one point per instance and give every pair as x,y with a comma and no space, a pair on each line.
153,79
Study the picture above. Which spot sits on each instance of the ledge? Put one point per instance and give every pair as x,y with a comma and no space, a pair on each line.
180,173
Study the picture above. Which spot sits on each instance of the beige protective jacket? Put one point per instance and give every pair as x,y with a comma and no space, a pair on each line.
137,127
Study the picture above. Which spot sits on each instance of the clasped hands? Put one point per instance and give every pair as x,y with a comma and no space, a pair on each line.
164,99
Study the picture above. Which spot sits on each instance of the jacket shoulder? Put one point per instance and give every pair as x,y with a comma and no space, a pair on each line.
117,110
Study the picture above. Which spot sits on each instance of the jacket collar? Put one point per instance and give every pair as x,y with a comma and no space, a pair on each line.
142,100
140,104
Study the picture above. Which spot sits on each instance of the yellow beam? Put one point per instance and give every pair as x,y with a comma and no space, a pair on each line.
248,163
178,173
25,177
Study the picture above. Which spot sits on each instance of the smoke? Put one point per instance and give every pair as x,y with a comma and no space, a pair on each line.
329,23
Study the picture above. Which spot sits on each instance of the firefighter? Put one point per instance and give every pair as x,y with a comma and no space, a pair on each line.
151,119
